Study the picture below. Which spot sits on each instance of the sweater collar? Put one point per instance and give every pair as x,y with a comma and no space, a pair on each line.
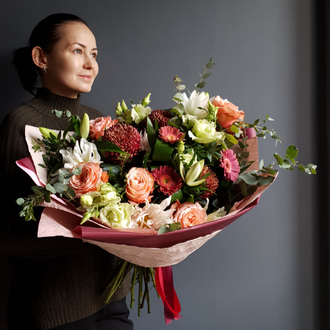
58,102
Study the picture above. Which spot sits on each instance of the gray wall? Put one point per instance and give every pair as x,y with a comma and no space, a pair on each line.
260,272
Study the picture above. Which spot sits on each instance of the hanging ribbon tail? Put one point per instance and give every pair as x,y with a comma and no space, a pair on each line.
165,288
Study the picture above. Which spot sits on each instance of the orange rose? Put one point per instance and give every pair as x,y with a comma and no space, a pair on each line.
189,214
140,184
228,113
99,125
88,180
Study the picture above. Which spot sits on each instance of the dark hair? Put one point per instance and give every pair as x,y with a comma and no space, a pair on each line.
45,35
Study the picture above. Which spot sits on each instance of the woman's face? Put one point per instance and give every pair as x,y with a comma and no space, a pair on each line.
71,65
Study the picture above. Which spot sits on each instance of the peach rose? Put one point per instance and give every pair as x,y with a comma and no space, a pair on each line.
99,125
228,113
140,184
88,180
189,214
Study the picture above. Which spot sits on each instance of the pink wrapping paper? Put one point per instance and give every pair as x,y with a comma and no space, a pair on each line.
59,218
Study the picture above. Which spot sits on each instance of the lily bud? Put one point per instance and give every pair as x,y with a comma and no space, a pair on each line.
193,173
123,105
146,100
119,110
46,132
84,126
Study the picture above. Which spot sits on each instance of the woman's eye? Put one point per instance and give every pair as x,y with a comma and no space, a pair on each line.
94,55
77,51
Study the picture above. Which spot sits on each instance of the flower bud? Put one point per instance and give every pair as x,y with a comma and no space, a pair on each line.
84,126
146,100
193,173
212,112
46,132
119,110
123,105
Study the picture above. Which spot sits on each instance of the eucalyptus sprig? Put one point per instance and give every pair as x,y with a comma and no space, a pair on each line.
205,75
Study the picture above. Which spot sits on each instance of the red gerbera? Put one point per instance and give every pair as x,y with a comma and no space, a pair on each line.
230,165
211,182
169,182
125,137
170,134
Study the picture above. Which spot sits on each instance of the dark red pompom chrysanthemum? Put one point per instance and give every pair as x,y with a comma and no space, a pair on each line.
125,137
167,179
162,117
211,182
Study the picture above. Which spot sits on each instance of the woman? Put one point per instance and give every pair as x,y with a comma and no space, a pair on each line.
56,281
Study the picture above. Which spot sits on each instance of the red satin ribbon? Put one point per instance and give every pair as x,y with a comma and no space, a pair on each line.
165,288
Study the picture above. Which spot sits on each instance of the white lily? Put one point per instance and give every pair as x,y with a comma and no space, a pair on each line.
83,151
193,103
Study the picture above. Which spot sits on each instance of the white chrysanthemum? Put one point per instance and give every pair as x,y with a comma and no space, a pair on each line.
193,103
144,141
152,215
83,151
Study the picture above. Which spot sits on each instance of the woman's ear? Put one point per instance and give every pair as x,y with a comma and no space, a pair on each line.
39,58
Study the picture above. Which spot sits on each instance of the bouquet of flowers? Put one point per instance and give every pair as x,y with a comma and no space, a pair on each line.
170,176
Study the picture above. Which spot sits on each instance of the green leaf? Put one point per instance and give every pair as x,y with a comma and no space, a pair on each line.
69,193
209,64
206,75
180,87
38,190
256,122
249,179
286,164
278,158
177,195
108,146
275,136
262,181
50,188
201,84
60,187
20,201
234,129
292,152
162,151
301,168
231,138
47,196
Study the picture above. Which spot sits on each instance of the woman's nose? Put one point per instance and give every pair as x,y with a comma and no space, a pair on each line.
89,63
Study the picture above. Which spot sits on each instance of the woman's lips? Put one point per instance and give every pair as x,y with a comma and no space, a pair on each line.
86,77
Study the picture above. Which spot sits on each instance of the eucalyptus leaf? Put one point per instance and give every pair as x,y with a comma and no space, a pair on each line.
249,179
50,188
206,75
201,84
262,181
286,164
60,187
292,152
278,158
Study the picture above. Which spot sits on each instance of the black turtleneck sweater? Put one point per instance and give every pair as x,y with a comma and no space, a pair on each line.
55,280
